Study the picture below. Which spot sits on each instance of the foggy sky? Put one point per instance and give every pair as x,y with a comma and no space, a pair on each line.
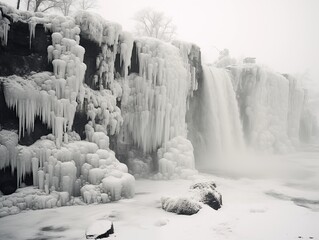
283,34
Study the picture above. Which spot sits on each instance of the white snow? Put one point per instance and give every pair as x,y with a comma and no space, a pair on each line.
250,209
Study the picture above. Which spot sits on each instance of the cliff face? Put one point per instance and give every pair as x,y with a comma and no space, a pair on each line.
20,58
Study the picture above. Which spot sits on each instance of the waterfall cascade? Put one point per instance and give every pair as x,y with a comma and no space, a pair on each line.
224,130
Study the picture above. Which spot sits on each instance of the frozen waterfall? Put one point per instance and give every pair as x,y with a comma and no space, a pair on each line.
224,135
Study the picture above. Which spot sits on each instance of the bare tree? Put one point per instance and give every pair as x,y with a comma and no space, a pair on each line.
65,6
42,5
87,4
18,4
154,24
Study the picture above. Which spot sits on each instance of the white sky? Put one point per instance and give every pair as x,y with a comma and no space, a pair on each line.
283,34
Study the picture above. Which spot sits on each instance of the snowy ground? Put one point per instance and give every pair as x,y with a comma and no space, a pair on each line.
283,205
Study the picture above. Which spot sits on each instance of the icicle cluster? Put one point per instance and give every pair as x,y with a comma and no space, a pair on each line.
112,41
78,168
102,111
176,159
185,50
4,26
8,143
63,166
154,102
52,98
97,28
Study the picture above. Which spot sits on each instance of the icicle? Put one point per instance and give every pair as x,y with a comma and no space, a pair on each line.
32,24
4,29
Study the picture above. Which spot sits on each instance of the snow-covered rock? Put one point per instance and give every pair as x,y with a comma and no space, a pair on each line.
99,229
206,193
184,206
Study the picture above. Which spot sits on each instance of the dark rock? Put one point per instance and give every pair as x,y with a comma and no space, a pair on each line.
135,64
18,58
92,50
79,122
8,181
107,233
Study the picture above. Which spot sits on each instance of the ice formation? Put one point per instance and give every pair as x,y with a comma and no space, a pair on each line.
296,105
55,98
32,198
176,159
78,168
52,98
60,161
8,143
139,164
4,29
224,129
110,37
154,102
271,106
